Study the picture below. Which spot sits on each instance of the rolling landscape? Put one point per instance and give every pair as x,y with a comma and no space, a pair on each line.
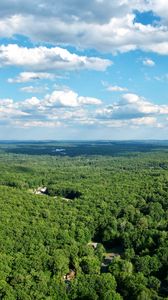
84,220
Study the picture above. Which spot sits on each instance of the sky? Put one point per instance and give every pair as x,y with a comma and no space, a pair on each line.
75,69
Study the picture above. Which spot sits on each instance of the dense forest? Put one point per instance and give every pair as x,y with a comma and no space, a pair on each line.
84,221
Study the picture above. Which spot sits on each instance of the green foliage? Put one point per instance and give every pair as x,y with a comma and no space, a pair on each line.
147,264
90,265
119,202
94,287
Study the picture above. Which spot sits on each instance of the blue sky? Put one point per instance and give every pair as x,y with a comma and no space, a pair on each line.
94,69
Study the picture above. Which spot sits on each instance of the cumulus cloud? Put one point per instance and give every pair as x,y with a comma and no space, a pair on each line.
31,76
148,62
132,106
30,101
59,105
69,98
43,58
67,108
89,101
9,109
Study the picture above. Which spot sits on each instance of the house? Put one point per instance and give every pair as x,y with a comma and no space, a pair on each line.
40,191
94,245
70,276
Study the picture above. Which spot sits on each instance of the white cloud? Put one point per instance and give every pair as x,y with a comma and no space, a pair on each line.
148,62
86,11
62,98
69,98
58,104
137,122
75,114
152,121
28,124
8,109
34,89
104,25
6,102
160,8
132,106
30,102
116,88
43,58
141,105
67,108
89,101
31,76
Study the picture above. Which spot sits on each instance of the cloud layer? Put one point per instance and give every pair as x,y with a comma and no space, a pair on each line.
44,40
66,108
105,25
